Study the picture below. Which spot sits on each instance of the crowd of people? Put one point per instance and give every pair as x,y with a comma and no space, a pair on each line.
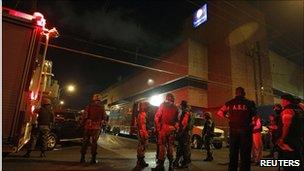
174,123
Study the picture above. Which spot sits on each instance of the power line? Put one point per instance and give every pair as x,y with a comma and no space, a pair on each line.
110,59
126,51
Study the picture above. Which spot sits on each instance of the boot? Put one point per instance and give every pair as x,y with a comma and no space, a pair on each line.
42,154
209,157
27,154
159,166
93,159
82,158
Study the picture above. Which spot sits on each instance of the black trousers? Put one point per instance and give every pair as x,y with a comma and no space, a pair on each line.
240,141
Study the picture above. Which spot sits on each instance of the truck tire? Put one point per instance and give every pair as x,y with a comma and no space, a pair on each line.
49,141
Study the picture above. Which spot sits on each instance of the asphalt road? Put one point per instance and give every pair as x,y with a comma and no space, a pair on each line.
114,153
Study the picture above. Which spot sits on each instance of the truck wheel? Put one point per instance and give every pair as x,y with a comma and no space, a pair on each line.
196,142
49,141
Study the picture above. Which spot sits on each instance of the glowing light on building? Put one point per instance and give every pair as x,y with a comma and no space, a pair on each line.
156,100
200,16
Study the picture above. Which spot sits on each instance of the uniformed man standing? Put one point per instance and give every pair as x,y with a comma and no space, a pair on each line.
166,120
94,115
143,136
44,120
240,112
290,142
207,134
183,137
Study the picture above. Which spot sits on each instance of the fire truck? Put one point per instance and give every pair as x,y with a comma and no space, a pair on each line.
24,37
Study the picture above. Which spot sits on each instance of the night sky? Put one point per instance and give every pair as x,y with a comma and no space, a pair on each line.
111,27
106,28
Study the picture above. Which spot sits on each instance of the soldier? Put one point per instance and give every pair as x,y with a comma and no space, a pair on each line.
44,120
240,113
94,116
207,134
290,142
143,136
183,137
166,120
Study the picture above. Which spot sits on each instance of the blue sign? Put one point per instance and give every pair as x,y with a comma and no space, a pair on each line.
200,16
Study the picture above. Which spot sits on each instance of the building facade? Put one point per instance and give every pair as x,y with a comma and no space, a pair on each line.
228,51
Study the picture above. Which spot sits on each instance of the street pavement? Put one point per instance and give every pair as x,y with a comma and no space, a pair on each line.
114,154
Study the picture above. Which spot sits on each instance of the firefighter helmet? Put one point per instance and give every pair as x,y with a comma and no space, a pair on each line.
45,101
208,115
97,97
170,97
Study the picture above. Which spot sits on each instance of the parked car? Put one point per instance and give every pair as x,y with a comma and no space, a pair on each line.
67,127
197,141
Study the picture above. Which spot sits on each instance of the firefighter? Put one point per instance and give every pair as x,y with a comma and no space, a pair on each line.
240,112
94,116
166,120
143,136
257,145
183,137
44,121
290,142
207,134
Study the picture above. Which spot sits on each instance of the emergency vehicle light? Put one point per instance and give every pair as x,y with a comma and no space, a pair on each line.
40,21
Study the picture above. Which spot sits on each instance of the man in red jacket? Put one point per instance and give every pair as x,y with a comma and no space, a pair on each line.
166,120
95,114
143,136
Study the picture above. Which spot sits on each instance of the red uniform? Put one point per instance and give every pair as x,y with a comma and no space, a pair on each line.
95,114
166,120
142,134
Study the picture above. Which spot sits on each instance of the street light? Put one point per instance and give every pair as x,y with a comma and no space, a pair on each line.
61,102
71,88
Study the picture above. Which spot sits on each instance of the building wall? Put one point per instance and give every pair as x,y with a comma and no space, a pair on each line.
290,78
176,63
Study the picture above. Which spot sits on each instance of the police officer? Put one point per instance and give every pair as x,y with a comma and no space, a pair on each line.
240,112
94,116
44,120
207,134
143,136
166,120
183,137
290,142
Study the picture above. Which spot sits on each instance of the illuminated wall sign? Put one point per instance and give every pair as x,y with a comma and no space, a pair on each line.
200,16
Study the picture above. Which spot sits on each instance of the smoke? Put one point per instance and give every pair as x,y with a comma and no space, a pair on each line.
115,25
